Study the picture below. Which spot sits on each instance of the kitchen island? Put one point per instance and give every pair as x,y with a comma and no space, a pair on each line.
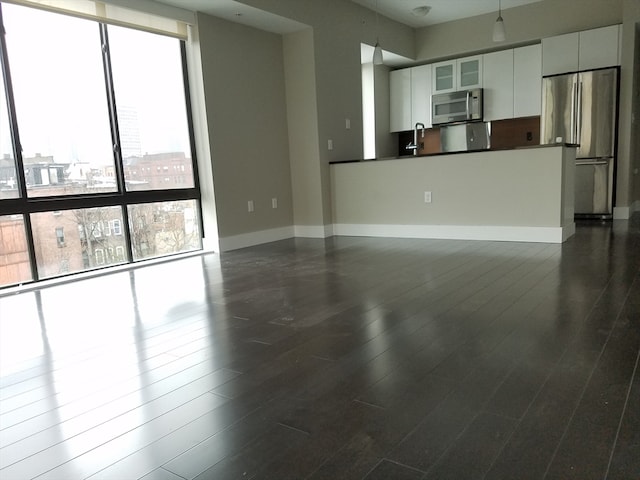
522,195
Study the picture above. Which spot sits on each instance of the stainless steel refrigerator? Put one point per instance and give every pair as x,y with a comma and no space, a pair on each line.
581,108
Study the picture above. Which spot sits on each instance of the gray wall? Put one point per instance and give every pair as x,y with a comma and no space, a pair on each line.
525,24
629,129
302,111
339,27
635,130
244,87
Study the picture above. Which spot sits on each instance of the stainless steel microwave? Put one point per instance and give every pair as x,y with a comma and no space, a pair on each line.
453,107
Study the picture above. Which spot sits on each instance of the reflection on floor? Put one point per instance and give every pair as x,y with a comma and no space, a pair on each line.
340,358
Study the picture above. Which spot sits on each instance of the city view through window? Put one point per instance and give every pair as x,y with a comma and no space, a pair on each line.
96,164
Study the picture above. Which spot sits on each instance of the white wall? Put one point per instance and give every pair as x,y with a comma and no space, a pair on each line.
368,111
210,239
386,145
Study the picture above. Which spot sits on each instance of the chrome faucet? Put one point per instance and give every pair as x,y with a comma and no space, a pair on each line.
415,146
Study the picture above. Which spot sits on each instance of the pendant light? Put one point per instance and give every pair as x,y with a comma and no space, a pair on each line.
499,33
377,51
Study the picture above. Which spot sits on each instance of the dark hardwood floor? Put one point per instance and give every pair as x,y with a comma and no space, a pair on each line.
344,358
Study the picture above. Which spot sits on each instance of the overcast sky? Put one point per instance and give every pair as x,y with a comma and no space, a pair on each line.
58,82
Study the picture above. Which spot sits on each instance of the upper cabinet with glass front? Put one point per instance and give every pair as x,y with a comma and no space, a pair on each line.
469,72
444,77
457,74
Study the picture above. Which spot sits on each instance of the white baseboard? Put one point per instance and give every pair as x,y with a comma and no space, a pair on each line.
313,231
568,231
622,213
450,232
210,244
460,232
243,240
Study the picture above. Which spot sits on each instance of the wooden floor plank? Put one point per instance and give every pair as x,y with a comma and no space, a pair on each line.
335,358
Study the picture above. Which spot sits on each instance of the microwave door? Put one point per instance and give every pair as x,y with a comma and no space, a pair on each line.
461,106
451,108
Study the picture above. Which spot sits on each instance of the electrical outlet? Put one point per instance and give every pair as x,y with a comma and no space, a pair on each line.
330,144
427,197
250,206
274,202
347,123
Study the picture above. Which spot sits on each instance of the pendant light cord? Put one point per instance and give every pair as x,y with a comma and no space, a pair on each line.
377,28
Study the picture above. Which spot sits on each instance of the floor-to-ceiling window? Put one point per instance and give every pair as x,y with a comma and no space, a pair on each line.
96,150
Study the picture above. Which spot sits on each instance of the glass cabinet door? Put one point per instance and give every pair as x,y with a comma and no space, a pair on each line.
444,75
469,73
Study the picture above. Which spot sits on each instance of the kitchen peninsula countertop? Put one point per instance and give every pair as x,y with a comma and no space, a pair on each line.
440,154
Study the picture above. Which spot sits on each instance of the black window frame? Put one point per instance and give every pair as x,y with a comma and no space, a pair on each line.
25,205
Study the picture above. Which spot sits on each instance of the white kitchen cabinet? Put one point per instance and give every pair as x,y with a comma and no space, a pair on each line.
400,100
469,72
421,95
560,54
527,81
457,74
444,77
599,48
586,50
497,83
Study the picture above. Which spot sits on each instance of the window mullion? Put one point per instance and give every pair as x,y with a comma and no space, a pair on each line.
11,108
113,117
17,150
31,247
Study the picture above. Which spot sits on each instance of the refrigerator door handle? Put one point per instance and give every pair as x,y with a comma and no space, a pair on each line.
572,125
579,112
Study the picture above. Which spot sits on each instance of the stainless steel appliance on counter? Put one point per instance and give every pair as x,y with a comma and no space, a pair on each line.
581,108
465,137
462,106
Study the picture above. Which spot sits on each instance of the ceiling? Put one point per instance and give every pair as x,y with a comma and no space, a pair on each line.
400,10
440,10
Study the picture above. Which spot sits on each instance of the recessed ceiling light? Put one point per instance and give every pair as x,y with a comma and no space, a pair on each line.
421,11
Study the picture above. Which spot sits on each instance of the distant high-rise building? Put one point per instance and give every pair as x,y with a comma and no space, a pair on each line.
129,128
